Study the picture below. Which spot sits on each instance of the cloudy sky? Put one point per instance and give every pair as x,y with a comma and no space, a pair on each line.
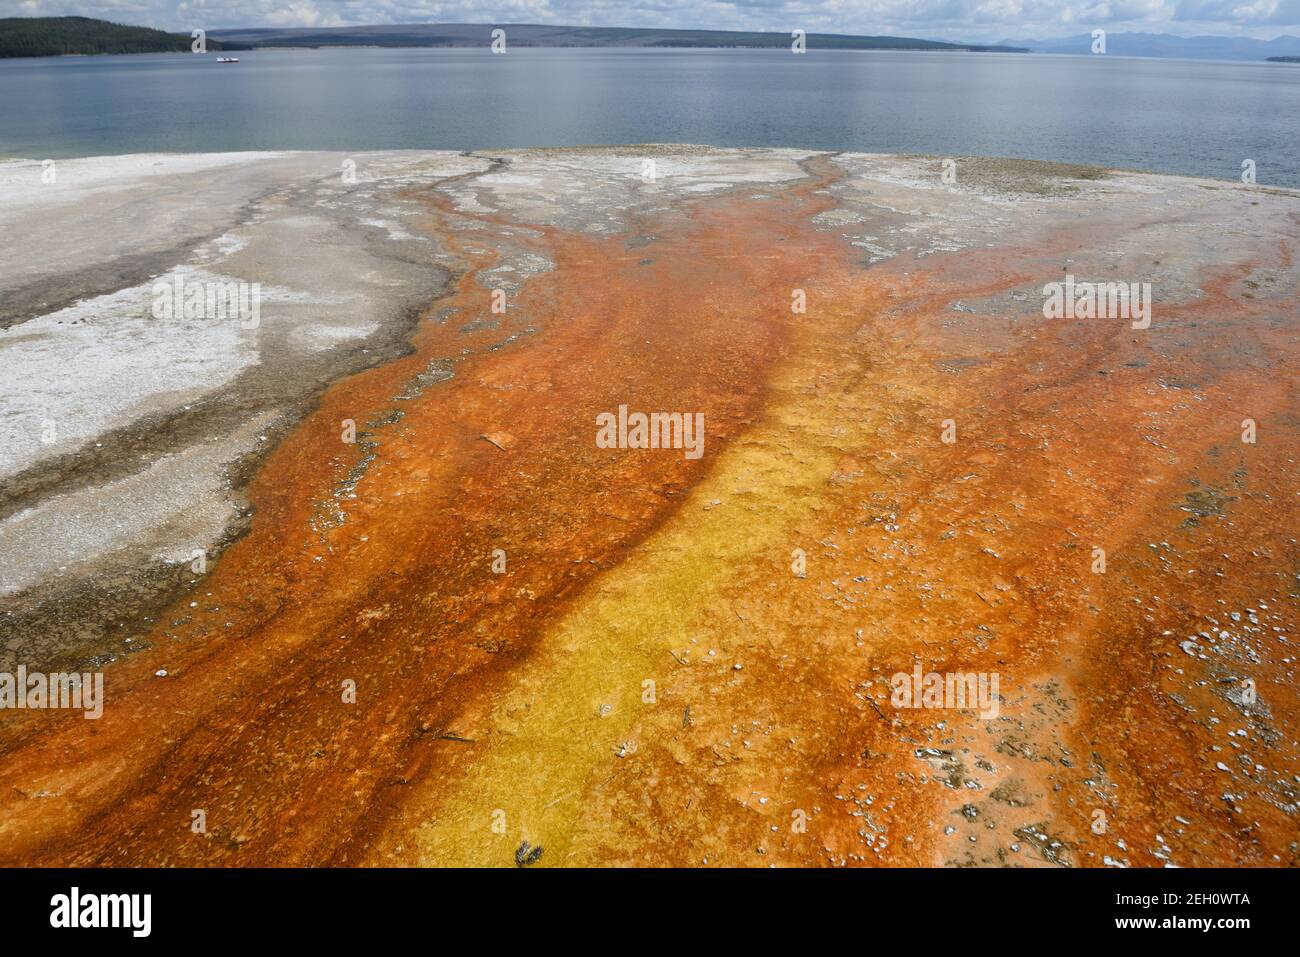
973,20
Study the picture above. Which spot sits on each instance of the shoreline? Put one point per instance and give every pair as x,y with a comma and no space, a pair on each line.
1086,168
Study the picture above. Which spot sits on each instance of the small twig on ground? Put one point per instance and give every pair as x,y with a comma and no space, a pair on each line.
455,737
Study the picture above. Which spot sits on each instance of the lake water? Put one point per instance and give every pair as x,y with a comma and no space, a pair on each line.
1194,117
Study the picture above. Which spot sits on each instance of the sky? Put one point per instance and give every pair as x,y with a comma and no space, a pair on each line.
972,20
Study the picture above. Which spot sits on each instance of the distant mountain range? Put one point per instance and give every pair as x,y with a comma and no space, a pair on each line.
1165,45
54,36
539,35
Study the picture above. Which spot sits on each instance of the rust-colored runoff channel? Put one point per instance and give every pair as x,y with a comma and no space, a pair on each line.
688,661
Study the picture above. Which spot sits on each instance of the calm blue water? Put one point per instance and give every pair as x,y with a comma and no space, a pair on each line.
1193,117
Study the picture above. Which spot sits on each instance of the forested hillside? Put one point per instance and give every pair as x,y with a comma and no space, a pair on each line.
57,36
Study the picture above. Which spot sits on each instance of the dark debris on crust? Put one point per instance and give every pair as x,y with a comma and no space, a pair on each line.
527,855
